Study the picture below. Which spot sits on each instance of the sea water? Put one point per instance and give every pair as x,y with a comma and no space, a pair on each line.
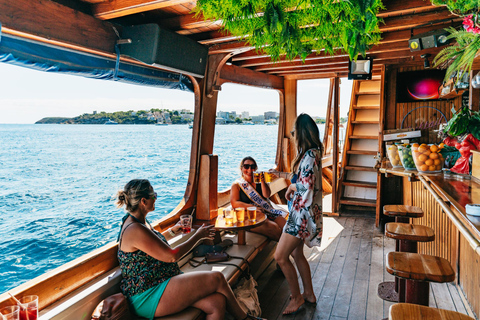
57,183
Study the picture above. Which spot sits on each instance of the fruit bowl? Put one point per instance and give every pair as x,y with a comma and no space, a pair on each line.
405,153
393,156
428,158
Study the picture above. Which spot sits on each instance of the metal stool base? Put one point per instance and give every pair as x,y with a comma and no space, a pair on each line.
386,291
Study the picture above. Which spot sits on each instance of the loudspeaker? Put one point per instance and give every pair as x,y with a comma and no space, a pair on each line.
166,49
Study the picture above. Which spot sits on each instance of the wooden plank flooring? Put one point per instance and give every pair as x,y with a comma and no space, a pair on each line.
346,271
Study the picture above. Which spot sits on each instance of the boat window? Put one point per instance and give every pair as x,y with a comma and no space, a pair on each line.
57,180
312,98
246,125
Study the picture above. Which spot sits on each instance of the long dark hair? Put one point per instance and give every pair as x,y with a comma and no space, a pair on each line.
306,137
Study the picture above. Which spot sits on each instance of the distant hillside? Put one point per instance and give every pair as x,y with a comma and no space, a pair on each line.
121,117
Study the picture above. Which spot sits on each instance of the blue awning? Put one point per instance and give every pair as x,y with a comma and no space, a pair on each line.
49,58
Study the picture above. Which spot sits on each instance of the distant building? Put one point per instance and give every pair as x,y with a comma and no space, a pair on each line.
223,114
94,112
134,113
220,120
258,119
271,115
187,116
245,115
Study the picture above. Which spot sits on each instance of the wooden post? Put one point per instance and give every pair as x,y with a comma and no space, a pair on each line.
290,116
336,103
207,187
473,94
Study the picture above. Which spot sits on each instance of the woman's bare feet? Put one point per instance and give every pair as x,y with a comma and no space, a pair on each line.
310,299
294,305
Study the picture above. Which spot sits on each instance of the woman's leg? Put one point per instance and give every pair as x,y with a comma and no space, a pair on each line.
269,229
305,273
285,247
191,288
213,305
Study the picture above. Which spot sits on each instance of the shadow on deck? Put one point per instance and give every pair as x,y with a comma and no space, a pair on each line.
346,271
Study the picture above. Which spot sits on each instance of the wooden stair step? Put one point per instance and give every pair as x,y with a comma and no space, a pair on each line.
359,168
365,122
400,210
364,137
364,152
366,107
358,202
367,92
362,184
420,267
409,232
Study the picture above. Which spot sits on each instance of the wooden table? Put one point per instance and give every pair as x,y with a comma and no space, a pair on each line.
241,227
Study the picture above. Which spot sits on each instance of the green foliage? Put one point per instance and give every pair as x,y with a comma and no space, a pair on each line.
458,6
460,54
295,28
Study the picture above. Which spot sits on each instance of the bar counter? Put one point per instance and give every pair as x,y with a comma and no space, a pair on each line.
443,198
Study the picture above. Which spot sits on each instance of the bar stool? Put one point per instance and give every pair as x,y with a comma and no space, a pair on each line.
388,290
407,311
419,270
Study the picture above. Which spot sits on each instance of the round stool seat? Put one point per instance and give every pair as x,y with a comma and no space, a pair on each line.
407,311
420,267
400,210
409,232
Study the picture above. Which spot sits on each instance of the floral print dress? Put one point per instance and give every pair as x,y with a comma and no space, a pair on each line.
305,220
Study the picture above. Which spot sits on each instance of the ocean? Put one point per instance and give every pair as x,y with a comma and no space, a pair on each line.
57,183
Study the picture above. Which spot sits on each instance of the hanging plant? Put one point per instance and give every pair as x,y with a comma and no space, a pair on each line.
296,28
459,57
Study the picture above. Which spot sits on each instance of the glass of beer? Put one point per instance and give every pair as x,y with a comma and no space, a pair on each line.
269,177
240,214
229,217
186,223
256,177
252,214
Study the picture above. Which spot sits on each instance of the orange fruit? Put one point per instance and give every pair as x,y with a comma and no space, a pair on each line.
433,155
436,162
429,162
427,152
415,145
439,167
434,148
423,167
422,158
441,145
431,168
422,149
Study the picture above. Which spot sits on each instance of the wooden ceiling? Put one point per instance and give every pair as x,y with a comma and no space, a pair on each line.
402,19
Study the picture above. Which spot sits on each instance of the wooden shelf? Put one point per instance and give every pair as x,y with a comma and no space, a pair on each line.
450,90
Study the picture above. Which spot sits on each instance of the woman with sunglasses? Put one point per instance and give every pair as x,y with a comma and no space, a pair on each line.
151,278
305,224
240,196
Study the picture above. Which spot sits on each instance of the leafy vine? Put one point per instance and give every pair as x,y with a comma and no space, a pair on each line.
296,28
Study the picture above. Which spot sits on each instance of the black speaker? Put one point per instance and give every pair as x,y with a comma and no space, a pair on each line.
166,49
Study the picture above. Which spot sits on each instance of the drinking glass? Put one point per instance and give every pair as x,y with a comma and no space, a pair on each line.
269,177
252,214
240,214
256,177
29,308
228,217
11,313
186,223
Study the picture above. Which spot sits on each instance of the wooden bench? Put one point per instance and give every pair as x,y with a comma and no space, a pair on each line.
80,304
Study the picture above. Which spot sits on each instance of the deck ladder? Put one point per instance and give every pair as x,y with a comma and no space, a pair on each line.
359,182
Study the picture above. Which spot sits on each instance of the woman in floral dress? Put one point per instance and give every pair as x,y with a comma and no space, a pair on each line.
304,225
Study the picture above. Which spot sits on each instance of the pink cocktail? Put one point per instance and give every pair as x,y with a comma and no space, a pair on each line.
29,307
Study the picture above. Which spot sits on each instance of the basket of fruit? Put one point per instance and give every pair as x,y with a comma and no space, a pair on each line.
405,153
393,156
428,158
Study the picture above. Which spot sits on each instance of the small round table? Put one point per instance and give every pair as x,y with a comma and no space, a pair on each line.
241,227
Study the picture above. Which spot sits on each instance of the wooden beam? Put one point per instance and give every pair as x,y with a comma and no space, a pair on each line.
395,7
335,149
249,77
53,21
120,8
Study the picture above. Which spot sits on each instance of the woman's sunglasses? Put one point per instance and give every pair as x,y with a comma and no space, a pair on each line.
250,166
153,196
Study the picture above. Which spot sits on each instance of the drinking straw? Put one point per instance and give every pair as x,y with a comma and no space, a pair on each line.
19,303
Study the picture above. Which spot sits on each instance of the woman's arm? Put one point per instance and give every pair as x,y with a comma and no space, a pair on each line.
139,237
172,232
305,185
235,197
281,174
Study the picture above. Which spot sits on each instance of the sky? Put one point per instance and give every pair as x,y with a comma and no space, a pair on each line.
29,95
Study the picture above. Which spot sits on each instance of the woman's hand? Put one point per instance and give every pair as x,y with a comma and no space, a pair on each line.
262,177
176,228
206,232
274,172
290,191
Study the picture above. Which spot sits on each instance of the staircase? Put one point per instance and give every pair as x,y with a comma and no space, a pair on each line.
359,184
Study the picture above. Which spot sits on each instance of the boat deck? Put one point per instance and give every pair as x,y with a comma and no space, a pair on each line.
346,271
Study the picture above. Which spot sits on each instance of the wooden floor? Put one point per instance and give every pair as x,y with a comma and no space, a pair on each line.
346,271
